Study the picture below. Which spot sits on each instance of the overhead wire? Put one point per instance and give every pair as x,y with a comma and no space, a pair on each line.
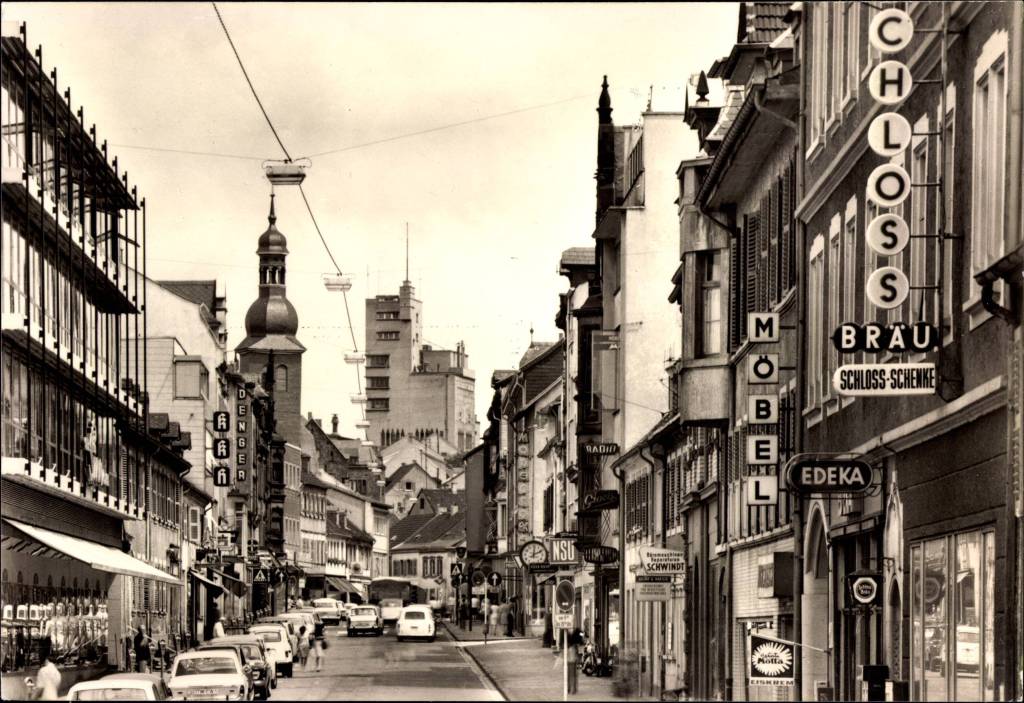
316,225
249,81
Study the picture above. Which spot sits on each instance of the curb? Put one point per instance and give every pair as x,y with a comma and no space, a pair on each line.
478,666
496,639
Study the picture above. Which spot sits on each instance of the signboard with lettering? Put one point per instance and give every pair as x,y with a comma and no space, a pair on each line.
865,587
830,476
221,476
762,490
221,421
885,379
872,337
562,550
653,589
600,554
596,450
770,662
656,560
775,575
601,500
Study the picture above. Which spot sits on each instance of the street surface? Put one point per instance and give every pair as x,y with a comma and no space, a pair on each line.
383,669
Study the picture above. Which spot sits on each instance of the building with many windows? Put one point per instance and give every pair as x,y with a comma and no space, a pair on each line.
77,455
413,389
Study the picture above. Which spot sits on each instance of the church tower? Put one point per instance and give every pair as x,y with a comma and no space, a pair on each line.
270,328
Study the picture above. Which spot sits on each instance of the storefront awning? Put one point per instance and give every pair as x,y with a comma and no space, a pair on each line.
232,583
215,588
97,556
342,584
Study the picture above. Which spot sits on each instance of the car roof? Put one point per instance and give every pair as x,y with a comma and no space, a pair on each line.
111,681
128,676
236,639
204,652
417,606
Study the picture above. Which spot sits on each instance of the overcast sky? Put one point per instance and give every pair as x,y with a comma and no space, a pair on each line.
490,203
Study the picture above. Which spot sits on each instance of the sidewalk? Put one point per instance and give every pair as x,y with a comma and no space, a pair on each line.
522,669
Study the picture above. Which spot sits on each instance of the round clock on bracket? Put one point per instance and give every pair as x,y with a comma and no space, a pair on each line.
533,553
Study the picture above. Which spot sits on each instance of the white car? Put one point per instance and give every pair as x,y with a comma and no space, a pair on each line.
278,643
365,618
210,675
390,609
291,626
329,610
415,621
121,687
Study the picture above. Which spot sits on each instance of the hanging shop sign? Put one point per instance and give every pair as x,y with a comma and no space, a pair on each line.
656,560
830,476
221,421
601,500
865,587
874,338
221,476
762,490
222,448
762,450
888,234
596,450
762,368
762,409
770,662
762,327
889,134
887,287
775,575
885,379
600,554
652,589
891,30
562,550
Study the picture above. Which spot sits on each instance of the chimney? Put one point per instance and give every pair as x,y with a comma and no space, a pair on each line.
334,423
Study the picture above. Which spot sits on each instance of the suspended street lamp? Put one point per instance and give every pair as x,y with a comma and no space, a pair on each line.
287,172
337,282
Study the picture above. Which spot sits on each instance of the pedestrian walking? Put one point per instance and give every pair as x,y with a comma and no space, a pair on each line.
316,648
303,647
218,625
549,630
141,651
47,683
509,619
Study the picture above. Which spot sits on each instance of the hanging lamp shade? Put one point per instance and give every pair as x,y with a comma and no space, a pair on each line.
337,282
286,173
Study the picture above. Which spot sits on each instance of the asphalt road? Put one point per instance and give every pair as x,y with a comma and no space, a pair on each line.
371,668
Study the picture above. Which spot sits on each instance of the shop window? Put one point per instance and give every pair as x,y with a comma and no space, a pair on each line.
953,617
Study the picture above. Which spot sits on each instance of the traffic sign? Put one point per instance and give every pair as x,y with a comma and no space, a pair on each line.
494,579
456,569
260,577
564,621
565,595
456,581
478,578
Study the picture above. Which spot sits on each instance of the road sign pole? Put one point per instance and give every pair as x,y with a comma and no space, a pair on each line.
565,665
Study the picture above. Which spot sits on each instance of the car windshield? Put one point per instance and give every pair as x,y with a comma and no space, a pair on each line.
269,635
110,694
198,666
252,651
364,611
415,615
391,603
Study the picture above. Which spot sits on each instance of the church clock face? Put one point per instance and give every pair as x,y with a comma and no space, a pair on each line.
533,553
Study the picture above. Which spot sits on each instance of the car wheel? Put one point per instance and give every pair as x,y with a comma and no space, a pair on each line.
431,639
291,669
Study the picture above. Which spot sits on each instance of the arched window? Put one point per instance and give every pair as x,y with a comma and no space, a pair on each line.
281,378
263,275
281,281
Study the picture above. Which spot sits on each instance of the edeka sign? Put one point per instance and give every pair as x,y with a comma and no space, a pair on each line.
770,661
885,379
830,476
655,560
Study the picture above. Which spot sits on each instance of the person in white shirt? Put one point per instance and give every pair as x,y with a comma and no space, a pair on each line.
218,625
47,680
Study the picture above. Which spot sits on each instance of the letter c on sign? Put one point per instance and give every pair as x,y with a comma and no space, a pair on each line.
891,30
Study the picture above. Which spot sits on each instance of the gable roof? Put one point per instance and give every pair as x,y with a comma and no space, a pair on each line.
198,292
441,531
444,498
403,471
408,526
762,22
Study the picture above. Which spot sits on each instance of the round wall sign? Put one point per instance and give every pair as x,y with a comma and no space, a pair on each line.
891,30
888,185
888,234
888,287
890,82
865,589
889,134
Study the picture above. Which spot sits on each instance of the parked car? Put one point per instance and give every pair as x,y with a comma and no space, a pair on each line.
122,687
967,648
365,618
278,643
264,673
291,626
329,610
390,609
415,621
214,674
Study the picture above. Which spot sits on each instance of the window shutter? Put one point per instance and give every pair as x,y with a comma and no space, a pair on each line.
773,244
763,232
751,254
735,292
194,524
123,475
786,231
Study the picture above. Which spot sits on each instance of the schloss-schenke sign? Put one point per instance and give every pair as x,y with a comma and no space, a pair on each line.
885,379
830,476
